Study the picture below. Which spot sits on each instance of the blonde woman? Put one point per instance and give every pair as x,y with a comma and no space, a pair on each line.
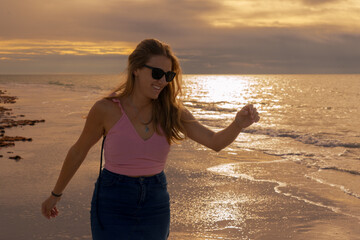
138,123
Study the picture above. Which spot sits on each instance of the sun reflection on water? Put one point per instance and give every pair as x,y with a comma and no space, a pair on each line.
222,210
221,89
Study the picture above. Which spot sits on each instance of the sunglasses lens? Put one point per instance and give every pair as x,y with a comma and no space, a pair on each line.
157,73
170,76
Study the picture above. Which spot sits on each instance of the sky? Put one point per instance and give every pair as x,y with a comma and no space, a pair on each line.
208,36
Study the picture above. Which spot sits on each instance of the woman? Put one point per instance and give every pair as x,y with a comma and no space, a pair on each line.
139,121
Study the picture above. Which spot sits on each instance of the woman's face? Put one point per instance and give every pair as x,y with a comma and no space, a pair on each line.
145,84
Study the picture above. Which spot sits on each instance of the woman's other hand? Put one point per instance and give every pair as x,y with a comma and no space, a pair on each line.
48,208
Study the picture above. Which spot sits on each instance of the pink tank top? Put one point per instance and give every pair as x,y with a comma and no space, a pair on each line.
128,154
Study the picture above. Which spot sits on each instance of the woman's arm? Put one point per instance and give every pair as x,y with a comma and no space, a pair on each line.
219,140
92,132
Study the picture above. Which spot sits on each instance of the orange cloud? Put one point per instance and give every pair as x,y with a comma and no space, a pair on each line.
30,48
280,13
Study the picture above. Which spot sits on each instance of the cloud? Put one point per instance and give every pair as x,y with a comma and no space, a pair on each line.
278,50
100,20
50,47
318,2
208,36
126,20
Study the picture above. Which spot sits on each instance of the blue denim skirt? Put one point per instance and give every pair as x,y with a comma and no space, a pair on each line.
127,208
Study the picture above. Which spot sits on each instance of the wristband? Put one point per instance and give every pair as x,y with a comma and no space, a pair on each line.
56,195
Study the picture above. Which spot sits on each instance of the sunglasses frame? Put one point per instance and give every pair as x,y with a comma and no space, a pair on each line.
169,76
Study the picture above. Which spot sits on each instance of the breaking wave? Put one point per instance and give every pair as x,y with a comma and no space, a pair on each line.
306,138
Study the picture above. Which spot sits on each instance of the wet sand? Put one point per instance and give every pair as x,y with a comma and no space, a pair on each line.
211,206
205,204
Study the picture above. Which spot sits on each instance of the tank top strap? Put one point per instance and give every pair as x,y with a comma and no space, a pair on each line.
117,101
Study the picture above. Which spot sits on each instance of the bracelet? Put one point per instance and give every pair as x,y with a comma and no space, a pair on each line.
56,195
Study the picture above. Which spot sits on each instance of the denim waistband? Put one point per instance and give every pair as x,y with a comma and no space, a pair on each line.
157,178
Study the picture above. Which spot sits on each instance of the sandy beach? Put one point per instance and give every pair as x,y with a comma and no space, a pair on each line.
213,196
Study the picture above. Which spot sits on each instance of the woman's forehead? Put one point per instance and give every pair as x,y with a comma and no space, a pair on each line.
160,61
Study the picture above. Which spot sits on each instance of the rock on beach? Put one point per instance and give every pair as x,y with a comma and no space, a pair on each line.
8,120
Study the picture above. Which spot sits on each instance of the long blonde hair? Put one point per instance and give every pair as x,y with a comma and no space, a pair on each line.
167,107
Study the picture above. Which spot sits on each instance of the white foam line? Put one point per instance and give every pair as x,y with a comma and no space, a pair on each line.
228,170
272,161
75,113
341,187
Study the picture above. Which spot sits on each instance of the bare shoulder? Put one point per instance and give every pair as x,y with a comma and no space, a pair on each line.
104,102
104,106
106,112
95,124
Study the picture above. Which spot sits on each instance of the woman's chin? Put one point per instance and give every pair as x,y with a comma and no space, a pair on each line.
155,96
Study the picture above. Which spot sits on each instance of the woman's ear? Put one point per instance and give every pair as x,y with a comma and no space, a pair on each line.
136,73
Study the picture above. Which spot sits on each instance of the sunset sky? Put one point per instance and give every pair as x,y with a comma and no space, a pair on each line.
208,36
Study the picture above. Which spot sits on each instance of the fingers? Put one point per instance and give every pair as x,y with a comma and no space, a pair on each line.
253,112
255,115
48,210
257,118
248,109
54,212
50,213
247,116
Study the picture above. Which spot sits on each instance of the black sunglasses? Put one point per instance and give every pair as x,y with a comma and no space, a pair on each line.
158,73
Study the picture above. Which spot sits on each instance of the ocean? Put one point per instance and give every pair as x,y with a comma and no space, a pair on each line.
313,117
309,120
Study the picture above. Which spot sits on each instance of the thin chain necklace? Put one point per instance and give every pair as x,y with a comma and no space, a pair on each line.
140,118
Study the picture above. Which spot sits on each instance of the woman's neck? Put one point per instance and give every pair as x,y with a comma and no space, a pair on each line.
140,102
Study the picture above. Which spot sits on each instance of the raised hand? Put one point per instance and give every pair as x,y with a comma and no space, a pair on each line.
247,116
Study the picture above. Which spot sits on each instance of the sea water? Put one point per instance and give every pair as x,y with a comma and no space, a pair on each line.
310,120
